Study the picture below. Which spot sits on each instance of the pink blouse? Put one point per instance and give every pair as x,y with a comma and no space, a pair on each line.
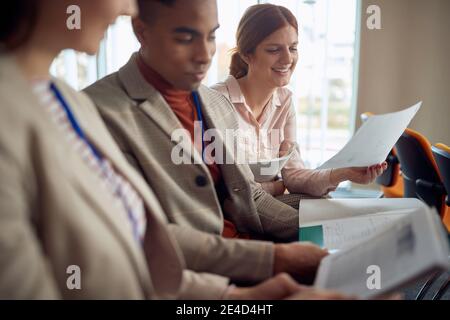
276,124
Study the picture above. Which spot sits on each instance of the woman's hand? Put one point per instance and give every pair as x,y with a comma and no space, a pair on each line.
275,188
278,187
361,175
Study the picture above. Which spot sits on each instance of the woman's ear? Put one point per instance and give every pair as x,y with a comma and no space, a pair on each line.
245,58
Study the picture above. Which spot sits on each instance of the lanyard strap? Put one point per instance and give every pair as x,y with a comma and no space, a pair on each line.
76,127
199,118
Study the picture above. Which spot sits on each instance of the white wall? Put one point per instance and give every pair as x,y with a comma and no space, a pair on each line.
406,61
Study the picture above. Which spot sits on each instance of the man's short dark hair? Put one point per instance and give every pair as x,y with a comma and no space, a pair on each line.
147,8
17,21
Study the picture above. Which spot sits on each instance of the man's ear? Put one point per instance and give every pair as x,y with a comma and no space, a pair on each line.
139,28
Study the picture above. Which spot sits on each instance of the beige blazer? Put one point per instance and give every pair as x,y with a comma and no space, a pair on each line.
52,214
142,124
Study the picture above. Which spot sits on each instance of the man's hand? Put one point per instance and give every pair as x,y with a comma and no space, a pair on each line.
282,286
279,287
310,293
300,260
361,175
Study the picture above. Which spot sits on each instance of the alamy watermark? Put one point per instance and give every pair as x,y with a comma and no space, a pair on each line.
373,21
73,21
73,281
373,282
234,146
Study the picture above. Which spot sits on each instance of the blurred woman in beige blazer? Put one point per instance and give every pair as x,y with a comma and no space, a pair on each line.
76,221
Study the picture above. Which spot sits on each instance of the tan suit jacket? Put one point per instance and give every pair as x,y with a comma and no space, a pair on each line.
142,123
53,213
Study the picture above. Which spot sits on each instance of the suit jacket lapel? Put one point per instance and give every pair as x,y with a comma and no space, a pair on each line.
221,124
212,114
151,100
155,107
237,174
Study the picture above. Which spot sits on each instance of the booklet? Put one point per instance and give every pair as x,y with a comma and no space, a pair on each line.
411,247
373,140
337,223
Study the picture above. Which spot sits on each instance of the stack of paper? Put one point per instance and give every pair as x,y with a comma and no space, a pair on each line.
336,223
409,248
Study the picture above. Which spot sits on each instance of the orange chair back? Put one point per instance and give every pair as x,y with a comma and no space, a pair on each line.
419,169
441,154
426,146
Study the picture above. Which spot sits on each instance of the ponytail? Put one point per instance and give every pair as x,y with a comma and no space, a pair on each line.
238,67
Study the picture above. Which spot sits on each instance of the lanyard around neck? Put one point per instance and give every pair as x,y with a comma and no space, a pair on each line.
73,121
79,132
196,99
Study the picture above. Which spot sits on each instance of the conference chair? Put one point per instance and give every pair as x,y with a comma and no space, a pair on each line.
441,153
421,177
429,166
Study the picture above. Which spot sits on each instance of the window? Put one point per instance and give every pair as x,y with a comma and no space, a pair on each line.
78,69
230,12
324,78
81,70
322,83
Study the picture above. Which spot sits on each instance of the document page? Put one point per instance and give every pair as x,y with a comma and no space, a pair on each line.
267,170
407,250
311,210
340,233
373,141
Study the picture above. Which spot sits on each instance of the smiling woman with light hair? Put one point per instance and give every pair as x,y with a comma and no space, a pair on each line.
261,66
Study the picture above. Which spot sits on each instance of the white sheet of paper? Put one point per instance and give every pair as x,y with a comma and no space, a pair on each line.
346,221
373,141
267,170
340,233
313,210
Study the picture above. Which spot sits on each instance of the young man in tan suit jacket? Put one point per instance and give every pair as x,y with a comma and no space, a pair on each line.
177,44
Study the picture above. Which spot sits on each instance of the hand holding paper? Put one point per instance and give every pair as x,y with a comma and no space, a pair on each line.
361,175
